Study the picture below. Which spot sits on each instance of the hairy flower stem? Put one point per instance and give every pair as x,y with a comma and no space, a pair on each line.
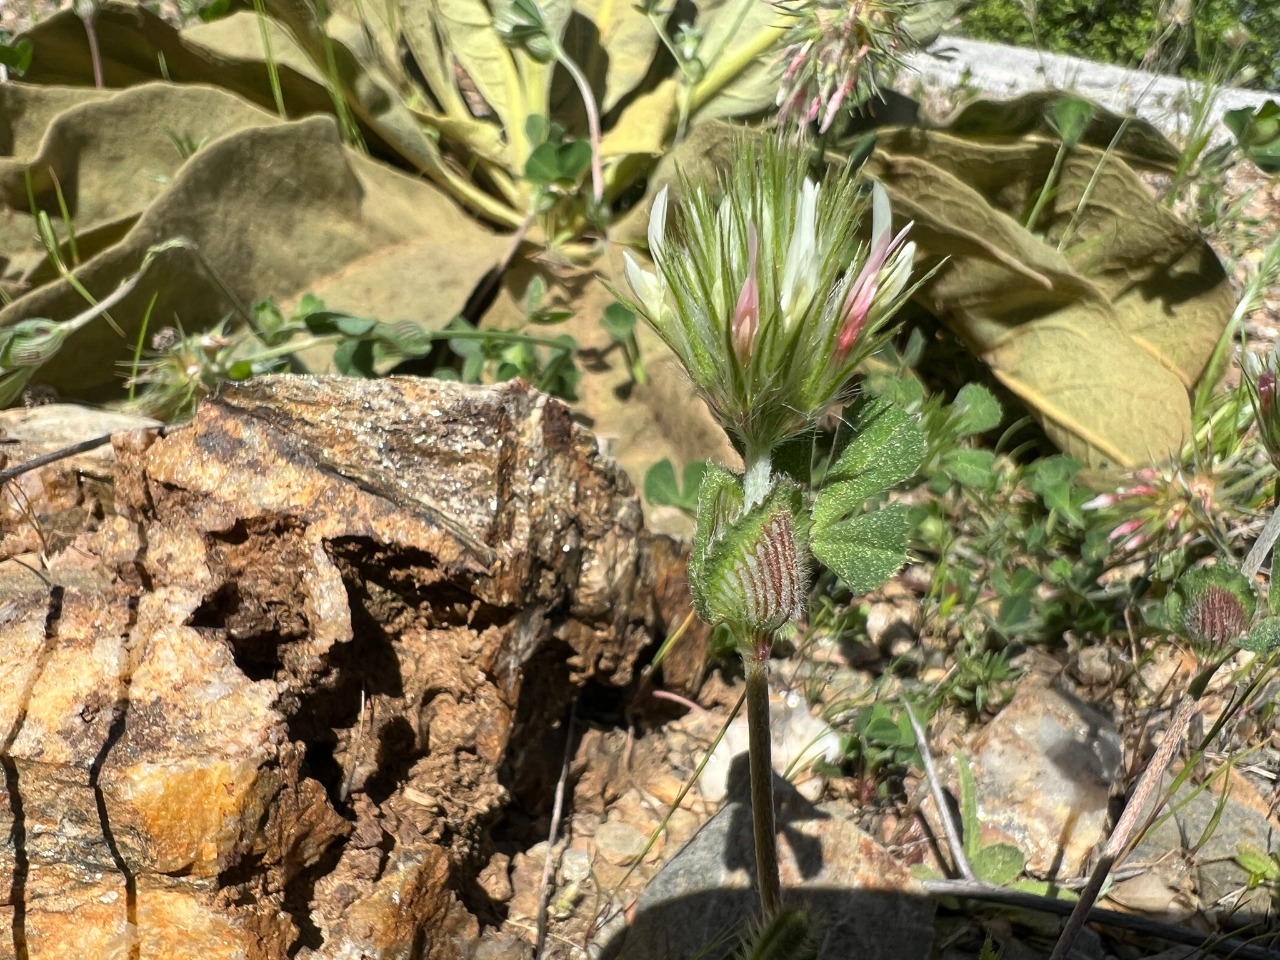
760,745
757,479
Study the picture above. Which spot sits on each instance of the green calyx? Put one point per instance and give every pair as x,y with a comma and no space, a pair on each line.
750,565
1213,607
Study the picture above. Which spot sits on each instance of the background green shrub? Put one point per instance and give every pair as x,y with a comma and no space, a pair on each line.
1182,37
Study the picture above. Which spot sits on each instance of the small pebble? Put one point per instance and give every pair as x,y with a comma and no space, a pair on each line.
575,866
619,843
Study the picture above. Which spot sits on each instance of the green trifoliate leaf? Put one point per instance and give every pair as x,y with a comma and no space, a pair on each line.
1052,478
886,450
976,410
1263,638
866,550
1212,606
975,469
749,568
662,489
998,864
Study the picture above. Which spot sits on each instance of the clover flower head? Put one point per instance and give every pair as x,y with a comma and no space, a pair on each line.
1212,607
1163,509
833,51
1259,376
763,291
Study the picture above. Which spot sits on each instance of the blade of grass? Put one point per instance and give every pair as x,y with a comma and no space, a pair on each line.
137,347
273,69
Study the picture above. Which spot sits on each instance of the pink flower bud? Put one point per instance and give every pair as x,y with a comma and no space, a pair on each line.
1126,528
746,316
856,307
862,292
1267,392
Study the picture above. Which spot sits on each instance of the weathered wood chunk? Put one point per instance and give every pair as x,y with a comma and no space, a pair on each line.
333,640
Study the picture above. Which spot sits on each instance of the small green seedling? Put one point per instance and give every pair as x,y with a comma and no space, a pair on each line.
662,489
998,864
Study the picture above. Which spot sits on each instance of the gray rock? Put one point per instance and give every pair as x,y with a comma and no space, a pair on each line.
1044,769
862,903
953,63
1215,876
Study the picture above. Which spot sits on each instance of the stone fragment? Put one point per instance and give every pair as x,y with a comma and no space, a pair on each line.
495,879
42,510
1044,770
575,865
619,843
864,904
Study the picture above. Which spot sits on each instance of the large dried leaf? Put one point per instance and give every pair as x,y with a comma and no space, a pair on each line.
263,209
614,41
109,154
738,34
467,29
1102,340
1137,141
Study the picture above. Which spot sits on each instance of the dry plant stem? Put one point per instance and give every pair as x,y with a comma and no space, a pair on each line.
54,456
760,743
544,889
1223,946
939,800
91,35
1262,546
1120,836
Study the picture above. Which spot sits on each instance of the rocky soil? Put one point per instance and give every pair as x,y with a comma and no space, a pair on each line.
359,668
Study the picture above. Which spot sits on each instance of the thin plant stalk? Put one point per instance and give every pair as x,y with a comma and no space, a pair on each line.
88,12
760,745
593,120
1118,842
273,70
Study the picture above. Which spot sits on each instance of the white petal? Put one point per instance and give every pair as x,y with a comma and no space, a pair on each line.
657,223
895,277
800,269
881,214
647,287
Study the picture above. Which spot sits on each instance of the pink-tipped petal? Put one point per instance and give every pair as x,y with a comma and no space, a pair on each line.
746,315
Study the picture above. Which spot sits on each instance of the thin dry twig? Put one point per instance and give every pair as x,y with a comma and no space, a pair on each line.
35,463
939,798
548,865
1119,839
1262,546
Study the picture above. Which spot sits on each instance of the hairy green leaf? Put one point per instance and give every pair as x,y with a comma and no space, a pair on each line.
976,410
865,550
886,449
998,864
1264,638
